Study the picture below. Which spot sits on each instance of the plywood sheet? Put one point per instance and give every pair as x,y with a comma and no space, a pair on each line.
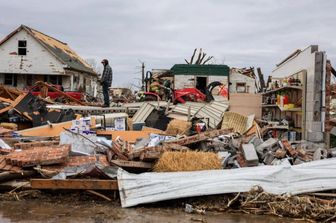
46,130
246,104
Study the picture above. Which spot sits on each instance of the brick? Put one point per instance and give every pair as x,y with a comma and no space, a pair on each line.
241,160
31,145
7,167
280,153
39,156
6,151
292,152
78,161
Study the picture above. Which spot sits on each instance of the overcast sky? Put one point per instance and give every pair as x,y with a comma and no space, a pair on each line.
258,33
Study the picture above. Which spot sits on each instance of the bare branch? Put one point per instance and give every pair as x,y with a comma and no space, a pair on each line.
207,60
192,57
199,56
204,54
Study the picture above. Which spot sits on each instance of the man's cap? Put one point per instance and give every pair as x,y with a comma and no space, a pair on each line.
104,61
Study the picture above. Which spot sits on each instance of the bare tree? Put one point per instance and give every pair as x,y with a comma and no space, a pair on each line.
200,58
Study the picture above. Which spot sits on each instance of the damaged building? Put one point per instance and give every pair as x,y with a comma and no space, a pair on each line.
28,56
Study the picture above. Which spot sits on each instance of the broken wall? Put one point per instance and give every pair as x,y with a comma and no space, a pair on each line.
240,78
313,61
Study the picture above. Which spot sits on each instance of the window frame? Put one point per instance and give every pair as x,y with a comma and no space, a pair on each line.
22,47
241,85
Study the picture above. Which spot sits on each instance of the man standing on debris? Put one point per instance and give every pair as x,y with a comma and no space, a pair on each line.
106,81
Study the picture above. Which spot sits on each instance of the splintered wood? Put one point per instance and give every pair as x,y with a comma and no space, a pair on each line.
302,207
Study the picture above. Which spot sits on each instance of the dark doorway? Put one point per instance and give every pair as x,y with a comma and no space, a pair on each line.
201,83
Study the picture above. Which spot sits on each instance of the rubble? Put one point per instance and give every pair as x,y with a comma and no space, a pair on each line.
159,150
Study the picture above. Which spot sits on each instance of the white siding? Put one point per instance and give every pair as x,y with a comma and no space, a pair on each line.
37,61
188,81
240,78
184,81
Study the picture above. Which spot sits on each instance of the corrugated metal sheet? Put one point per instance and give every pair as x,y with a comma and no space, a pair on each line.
212,112
144,111
143,188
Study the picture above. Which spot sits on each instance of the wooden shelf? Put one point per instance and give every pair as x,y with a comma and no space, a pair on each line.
283,88
296,94
269,105
277,127
290,109
281,108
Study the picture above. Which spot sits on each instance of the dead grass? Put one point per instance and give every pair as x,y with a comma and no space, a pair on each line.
178,127
187,161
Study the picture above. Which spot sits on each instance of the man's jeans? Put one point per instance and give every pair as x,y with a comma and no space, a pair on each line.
106,93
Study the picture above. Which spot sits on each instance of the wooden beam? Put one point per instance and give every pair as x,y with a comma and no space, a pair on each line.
76,184
132,164
42,84
261,79
6,100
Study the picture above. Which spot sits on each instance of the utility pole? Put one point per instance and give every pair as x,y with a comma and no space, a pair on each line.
143,75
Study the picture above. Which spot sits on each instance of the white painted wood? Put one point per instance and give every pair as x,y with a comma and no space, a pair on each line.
37,61
189,81
240,78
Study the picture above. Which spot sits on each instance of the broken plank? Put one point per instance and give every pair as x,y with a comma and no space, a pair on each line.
130,136
50,87
77,184
132,164
6,100
150,155
199,137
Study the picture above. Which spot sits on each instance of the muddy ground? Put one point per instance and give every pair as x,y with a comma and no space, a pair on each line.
69,206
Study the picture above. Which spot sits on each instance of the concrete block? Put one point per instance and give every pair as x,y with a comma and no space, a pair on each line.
320,153
316,126
268,158
309,115
250,154
315,136
266,146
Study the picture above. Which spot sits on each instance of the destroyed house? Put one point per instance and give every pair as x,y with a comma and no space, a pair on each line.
242,80
199,76
28,56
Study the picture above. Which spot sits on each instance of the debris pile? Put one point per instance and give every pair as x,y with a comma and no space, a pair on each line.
158,150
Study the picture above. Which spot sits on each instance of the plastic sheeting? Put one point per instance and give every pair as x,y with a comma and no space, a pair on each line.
152,187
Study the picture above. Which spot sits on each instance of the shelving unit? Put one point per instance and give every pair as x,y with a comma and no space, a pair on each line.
296,95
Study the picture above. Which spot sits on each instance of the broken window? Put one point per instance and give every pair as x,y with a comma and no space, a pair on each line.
241,87
22,47
11,79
